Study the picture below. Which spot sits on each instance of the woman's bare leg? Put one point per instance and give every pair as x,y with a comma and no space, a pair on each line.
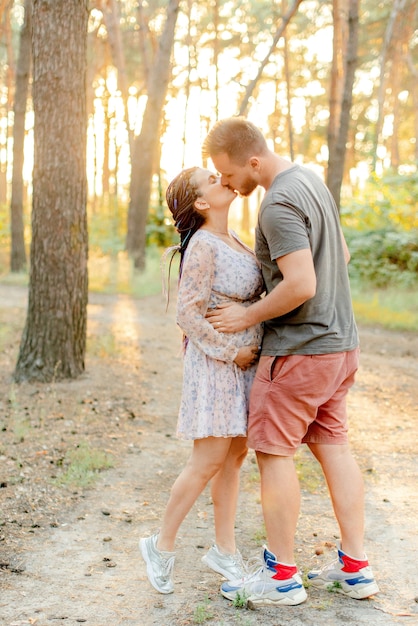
225,489
208,456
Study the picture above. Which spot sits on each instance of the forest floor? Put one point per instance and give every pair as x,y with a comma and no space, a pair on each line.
69,555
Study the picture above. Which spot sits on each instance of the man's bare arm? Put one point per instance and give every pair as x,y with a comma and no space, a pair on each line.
298,286
347,254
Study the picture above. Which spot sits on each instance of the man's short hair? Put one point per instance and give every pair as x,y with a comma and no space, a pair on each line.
236,137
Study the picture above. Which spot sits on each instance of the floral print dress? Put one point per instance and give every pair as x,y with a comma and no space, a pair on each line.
215,391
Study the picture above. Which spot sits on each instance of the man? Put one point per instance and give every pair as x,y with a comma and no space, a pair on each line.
308,362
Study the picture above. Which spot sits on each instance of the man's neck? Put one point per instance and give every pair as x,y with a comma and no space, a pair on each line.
273,165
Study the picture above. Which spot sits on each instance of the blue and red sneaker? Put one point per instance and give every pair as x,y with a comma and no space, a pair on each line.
346,575
273,583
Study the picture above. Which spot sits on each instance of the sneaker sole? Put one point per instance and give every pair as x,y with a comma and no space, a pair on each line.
266,601
150,573
361,593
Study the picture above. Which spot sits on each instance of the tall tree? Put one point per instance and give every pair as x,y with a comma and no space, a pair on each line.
339,49
279,32
336,159
54,338
111,18
146,143
18,253
398,8
414,98
8,71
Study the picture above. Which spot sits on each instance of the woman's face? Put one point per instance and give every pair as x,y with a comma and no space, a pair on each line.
211,189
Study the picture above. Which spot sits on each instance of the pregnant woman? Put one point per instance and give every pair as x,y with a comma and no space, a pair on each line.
215,268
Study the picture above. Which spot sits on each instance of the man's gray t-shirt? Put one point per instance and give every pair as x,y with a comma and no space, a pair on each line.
298,212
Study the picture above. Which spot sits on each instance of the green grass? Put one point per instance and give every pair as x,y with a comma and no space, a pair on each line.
391,308
19,422
202,612
116,274
85,463
112,274
241,600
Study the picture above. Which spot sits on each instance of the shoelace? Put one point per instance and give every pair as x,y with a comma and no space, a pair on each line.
254,567
331,566
166,565
251,567
238,561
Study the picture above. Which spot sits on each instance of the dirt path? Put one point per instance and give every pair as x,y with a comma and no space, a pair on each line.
70,556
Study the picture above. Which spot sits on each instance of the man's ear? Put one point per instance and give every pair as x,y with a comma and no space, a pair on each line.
254,163
201,205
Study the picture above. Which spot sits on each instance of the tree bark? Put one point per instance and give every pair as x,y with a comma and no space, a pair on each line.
18,252
9,73
112,22
337,160
339,48
287,76
146,143
414,96
54,338
397,8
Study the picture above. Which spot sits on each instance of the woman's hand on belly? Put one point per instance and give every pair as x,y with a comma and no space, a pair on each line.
247,356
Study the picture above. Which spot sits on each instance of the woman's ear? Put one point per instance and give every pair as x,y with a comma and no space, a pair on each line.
200,204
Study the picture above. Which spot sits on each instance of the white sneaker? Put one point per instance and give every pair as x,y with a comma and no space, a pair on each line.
346,575
229,565
159,564
272,584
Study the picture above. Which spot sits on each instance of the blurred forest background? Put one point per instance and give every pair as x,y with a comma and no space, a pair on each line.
103,102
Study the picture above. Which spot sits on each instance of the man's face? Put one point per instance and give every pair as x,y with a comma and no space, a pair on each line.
241,178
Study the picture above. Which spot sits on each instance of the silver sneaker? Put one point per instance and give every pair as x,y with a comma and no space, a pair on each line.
231,566
159,564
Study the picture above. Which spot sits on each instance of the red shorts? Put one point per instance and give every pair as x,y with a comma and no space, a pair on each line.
300,399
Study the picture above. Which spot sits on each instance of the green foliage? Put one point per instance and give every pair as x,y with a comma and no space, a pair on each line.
334,587
386,203
241,599
160,230
108,224
384,257
116,274
381,231
110,268
107,228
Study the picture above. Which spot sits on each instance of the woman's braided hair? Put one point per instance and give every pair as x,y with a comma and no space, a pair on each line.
181,195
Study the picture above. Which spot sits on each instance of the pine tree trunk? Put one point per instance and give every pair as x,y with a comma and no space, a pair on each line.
336,167
339,49
398,7
54,338
18,253
146,144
